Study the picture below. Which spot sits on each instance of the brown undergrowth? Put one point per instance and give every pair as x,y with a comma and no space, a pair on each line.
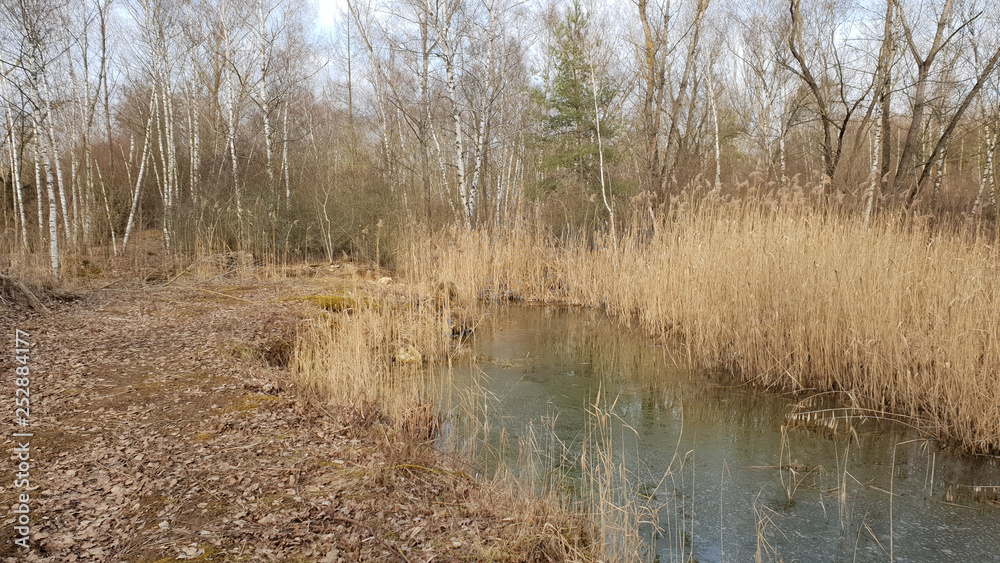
183,419
898,315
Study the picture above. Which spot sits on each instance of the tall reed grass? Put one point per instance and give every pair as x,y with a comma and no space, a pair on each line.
362,362
901,316
369,356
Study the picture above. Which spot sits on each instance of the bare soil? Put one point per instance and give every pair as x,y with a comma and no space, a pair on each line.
167,427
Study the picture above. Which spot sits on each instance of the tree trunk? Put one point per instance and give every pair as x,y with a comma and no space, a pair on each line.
717,185
53,208
137,191
985,180
952,125
600,157
284,158
15,171
53,159
909,157
654,91
671,151
874,179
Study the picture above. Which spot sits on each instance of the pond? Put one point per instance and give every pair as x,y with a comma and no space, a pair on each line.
733,473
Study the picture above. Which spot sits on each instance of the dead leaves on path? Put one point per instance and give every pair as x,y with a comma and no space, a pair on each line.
156,439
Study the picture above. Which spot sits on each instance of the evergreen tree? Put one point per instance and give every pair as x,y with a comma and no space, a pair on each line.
569,128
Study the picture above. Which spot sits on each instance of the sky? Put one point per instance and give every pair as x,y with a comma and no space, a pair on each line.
329,11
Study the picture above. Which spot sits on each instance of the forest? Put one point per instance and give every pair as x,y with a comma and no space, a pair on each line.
245,125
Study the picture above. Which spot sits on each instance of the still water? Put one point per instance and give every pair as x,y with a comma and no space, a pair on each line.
712,456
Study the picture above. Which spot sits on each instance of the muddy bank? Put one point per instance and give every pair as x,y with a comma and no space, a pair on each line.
167,426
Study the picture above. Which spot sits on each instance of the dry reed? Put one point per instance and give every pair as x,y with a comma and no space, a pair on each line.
367,362
900,316
612,486
369,356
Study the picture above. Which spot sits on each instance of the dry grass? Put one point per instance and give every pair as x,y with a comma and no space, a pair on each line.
360,357
370,355
611,475
368,362
899,315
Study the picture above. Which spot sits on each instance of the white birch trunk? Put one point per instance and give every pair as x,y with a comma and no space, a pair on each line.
194,156
987,176
448,55
503,176
15,172
516,181
474,189
781,158
600,157
874,177
137,192
173,171
231,142
265,106
52,154
377,77
53,223
88,218
715,121
446,193
74,186
164,175
284,158
38,190
939,175
53,208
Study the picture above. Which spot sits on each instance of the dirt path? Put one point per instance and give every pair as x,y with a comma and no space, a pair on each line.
166,427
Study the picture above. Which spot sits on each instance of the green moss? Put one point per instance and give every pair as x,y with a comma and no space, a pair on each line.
251,402
242,352
333,302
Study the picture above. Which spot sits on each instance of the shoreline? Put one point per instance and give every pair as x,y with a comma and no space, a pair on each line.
170,426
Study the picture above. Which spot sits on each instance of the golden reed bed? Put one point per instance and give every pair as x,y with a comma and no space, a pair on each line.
901,316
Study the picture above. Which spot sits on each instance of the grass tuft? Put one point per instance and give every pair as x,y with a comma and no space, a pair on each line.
899,315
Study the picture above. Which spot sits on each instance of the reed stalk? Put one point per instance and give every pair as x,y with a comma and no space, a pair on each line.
900,315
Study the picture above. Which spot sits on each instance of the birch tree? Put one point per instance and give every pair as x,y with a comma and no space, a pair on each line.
158,24
14,143
661,98
915,167
29,60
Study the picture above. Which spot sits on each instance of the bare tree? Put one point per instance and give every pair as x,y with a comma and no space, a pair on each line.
837,95
659,97
143,159
914,168
29,59
14,154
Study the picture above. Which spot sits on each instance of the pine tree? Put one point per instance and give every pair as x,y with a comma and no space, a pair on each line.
569,133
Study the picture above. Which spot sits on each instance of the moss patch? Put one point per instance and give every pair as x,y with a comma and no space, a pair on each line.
252,402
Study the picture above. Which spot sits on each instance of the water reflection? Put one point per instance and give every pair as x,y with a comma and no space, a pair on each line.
744,481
